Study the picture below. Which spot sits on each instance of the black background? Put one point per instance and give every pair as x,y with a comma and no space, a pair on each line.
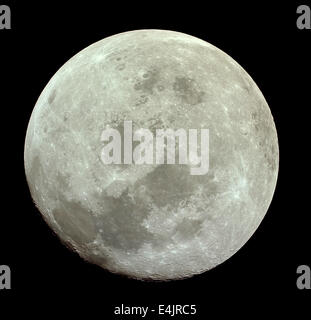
259,279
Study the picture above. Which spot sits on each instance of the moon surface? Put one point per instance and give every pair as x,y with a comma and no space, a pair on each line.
152,221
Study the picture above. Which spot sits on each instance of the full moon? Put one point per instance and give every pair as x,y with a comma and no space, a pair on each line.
152,221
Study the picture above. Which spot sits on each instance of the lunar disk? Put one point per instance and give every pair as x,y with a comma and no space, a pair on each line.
152,221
